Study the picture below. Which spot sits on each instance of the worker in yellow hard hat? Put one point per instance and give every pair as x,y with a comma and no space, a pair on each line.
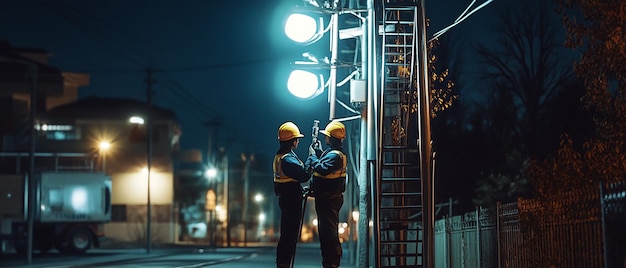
327,186
289,173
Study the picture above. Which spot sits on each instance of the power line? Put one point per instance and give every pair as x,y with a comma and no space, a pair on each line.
461,18
183,69
77,19
118,39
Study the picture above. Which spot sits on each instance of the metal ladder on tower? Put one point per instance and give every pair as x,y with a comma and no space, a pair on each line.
399,186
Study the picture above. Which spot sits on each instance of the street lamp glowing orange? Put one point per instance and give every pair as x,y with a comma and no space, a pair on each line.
104,146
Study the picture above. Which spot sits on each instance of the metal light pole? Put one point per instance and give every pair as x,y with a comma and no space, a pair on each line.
149,118
225,178
149,214
426,168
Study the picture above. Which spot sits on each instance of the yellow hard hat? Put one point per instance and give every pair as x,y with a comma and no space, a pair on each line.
335,129
288,131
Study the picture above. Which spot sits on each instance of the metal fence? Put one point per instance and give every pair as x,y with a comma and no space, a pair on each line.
578,229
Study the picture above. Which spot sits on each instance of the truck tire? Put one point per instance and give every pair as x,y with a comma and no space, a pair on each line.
79,240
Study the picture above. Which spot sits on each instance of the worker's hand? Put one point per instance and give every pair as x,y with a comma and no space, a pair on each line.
317,145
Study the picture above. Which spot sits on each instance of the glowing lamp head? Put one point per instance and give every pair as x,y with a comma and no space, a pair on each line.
211,173
304,84
136,120
303,29
104,145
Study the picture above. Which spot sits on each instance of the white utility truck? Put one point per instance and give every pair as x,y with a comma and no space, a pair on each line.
70,207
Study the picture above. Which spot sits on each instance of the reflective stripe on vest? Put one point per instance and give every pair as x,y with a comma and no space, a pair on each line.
279,176
339,173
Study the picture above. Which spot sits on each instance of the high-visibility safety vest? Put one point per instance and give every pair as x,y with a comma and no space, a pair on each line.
279,176
341,173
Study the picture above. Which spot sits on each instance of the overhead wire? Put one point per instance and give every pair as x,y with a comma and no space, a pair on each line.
109,33
99,29
461,18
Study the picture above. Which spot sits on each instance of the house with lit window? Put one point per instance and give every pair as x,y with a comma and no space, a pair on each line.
128,138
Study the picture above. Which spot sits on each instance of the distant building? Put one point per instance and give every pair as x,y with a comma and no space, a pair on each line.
19,69
83,125
66,125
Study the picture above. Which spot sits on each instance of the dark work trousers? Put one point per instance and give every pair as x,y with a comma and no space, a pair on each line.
327,208
290,214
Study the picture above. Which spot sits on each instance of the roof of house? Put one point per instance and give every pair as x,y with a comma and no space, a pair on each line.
15,69
109,108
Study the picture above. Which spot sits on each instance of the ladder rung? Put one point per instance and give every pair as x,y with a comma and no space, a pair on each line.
397,78
399,223
397,64
402,207
397,241
405,255
396,148
394,53
405,230
394,91
398,46
396,22
399,6
394,179
398,34
400,164
402,266
399,86
400,194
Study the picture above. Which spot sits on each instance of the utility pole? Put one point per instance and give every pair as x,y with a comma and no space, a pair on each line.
213,124
31,171
214,162
149,115
246,177
227,189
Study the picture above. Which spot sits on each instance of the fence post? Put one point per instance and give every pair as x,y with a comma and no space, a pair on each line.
446,241
604,243
478,237
498,232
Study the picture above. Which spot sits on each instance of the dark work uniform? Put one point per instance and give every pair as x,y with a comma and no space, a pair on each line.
328,185
289,172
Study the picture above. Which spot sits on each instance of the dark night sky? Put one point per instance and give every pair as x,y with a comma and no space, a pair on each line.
225,59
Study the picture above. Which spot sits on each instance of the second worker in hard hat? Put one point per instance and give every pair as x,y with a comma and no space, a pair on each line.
327,186
289,173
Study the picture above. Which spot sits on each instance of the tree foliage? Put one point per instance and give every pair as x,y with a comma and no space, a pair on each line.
596,29
525,78
441,94
523,72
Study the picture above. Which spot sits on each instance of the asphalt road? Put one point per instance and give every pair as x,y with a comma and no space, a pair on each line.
307,255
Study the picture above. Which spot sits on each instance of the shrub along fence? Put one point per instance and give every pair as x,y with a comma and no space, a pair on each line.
579,229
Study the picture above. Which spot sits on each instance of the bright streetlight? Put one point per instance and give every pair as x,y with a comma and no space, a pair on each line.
258,198
140,121
211,173
104,146
304,29
136,120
